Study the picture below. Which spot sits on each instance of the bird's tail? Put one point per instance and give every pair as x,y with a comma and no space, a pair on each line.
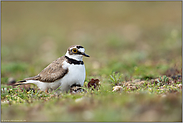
22,82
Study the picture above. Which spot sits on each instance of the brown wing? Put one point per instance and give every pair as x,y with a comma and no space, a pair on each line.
52,72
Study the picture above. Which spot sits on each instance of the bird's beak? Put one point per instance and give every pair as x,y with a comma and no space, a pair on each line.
85,55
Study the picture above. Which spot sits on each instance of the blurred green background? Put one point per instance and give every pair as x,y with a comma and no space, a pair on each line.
126,37
130,40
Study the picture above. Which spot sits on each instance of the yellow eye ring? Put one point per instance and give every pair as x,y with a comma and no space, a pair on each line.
74,50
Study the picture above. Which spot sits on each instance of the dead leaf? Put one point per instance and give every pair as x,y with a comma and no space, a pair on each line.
94,84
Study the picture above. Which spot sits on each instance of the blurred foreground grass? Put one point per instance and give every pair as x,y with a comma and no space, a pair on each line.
127,41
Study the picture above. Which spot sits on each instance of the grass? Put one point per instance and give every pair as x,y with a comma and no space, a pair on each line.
134,45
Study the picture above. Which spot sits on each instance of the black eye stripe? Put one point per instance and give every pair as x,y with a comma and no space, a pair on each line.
78,52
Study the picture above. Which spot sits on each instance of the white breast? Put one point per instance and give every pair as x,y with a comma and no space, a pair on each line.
76,75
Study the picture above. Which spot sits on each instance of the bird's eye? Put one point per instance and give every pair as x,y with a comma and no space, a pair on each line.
74,50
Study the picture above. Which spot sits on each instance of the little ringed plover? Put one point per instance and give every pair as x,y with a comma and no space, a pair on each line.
65,72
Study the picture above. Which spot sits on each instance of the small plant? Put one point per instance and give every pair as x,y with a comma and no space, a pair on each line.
164,79
116,78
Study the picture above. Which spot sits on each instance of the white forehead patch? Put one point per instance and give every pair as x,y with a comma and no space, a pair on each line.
81,50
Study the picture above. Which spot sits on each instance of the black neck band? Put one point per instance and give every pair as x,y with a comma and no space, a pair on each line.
72,61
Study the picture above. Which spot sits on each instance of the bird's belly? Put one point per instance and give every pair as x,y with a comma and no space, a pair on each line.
76,75
54,85
45,85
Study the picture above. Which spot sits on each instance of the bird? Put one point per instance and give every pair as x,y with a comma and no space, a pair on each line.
63,73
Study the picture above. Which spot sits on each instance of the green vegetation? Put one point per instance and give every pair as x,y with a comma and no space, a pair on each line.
135,50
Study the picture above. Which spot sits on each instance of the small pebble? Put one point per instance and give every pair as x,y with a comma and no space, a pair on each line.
117,88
